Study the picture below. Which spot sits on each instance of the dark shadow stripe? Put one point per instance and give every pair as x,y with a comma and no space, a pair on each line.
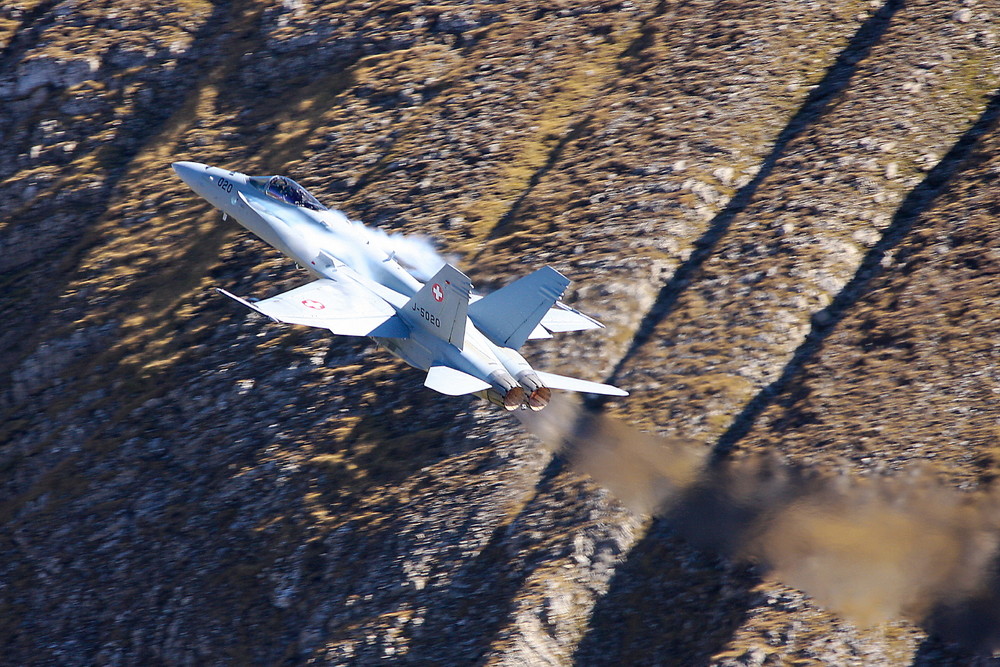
626,63
837,78
827,319
26,35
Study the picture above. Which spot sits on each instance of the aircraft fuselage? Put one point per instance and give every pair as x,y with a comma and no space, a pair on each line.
319,239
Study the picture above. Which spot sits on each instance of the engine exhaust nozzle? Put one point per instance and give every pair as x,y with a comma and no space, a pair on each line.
539,398
513,399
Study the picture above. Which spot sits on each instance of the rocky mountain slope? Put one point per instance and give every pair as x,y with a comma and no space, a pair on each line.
785,213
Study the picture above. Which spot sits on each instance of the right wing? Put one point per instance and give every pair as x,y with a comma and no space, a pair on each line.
343,307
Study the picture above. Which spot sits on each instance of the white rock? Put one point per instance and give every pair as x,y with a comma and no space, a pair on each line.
963,15
725,175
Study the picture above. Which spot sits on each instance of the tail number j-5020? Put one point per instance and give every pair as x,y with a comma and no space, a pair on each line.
225,185
427,316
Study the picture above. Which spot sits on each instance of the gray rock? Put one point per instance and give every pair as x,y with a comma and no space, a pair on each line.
49,71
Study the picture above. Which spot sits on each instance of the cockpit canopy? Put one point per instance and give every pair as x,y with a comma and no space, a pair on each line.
285,189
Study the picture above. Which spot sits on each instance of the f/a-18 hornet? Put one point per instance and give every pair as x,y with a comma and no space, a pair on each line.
468,344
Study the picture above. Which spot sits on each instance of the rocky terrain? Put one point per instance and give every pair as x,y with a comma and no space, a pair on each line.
785,213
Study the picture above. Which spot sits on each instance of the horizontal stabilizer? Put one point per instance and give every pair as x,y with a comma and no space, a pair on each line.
562,318
510,315
344,307
553,381
539,332
453,382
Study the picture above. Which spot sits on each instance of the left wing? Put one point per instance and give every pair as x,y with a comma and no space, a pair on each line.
343,307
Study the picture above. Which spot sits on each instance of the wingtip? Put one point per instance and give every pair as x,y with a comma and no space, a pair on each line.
246,303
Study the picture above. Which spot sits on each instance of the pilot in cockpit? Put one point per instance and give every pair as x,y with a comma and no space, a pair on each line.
290,192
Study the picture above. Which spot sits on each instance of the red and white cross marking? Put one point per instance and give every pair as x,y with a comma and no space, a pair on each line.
438,293
313,303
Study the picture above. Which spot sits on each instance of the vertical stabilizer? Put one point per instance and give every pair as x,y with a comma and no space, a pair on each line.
441,306
509,315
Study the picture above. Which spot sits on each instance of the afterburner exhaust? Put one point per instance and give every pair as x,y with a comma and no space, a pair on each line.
511,400
538,394
516,398
539,398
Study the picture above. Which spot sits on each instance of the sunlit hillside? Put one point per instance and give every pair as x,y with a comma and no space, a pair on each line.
785,213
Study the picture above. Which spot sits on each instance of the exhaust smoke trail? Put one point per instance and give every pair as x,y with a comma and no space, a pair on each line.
871,549
627,462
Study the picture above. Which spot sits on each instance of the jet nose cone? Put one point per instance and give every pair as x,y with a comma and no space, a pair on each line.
188,171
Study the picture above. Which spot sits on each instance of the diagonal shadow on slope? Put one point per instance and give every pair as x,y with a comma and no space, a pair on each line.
824,321
577,129
837,77
25,36
666,584
47,280
668,604
483,592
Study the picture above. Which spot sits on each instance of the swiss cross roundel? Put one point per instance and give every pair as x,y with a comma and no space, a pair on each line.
313,303
437,292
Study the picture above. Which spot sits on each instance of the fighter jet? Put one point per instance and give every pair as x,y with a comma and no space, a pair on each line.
467,344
